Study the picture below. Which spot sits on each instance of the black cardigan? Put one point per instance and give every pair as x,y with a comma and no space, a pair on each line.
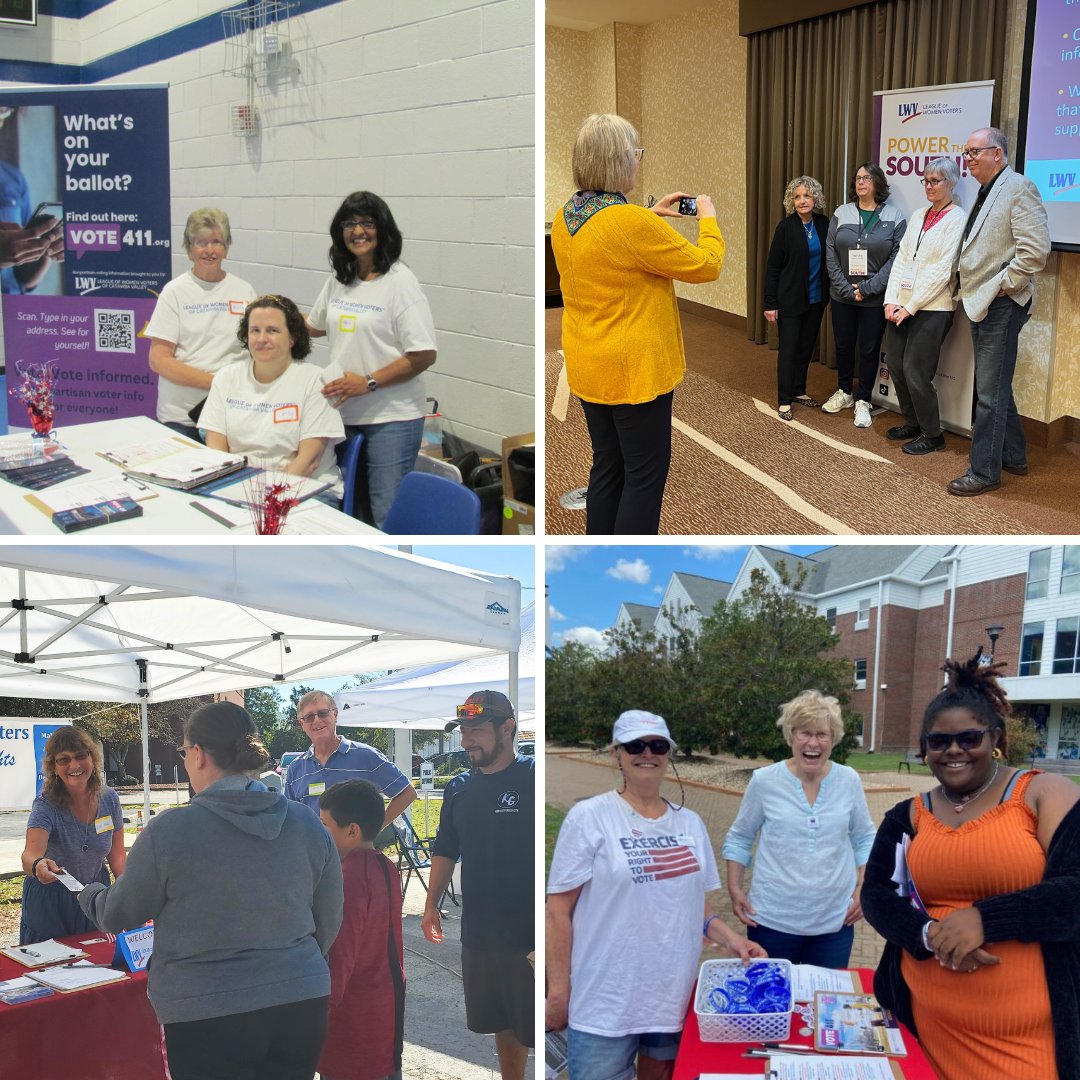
787,271
1048,913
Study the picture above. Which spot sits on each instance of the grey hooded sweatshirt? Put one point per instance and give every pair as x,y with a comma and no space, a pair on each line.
244,888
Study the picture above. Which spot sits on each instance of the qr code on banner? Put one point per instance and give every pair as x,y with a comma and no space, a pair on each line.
115,330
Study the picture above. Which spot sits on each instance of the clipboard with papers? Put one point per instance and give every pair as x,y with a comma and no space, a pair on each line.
174,463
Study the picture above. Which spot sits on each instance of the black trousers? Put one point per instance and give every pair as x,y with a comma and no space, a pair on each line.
282,1042
631,456
866,325
798,336
912,350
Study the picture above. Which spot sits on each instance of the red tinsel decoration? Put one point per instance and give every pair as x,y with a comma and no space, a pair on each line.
36,392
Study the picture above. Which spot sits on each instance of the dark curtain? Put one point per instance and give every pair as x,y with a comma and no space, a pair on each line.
810,102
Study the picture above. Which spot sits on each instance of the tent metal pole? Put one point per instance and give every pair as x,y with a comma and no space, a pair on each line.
144,724
513,688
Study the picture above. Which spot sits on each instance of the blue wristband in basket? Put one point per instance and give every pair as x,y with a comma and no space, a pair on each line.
705,928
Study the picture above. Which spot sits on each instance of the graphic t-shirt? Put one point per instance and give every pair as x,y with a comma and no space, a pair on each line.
637,923
369,324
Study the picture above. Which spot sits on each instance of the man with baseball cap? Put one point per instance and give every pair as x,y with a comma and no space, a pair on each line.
487,822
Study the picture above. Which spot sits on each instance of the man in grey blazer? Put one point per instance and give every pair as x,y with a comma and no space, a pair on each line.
1005,244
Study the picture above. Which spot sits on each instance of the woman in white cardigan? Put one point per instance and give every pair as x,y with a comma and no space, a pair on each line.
919,307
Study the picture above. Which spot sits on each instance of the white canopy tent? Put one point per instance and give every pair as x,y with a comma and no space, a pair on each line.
146,624
424,698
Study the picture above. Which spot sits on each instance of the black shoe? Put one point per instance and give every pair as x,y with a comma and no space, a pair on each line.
1016,470
904,431
971,485
924,445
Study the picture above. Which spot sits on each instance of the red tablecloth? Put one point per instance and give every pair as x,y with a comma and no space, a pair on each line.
697,1057
104,1033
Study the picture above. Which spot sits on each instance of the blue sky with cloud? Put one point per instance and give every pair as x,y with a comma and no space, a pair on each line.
586,584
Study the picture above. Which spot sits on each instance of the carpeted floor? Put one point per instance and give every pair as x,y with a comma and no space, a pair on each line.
738,469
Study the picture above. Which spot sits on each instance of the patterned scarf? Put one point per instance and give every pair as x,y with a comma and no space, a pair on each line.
585,204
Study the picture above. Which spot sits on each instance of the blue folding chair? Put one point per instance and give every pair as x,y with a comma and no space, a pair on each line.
349,462
431,504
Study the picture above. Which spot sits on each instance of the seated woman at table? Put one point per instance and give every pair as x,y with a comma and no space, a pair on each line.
623,943
814,833
244,888
975,887
269,407
75,824
193,328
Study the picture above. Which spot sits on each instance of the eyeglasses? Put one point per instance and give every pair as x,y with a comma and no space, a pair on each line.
861,178
322,714
637,746
974,151
63,760
182,751
215,243
365,224
931,183
971,739
638,152
470,710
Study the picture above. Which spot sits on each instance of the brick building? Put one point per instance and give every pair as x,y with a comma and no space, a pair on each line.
900,610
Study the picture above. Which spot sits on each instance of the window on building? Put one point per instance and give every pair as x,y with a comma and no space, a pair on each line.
1038,579
1070,569
862,619
1065,646
830,617
1069,733
860,673
1031,647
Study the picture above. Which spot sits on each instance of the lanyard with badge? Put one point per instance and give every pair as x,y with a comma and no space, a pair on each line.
931,218
857,256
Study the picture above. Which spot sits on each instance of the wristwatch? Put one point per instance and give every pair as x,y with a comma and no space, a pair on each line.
372,385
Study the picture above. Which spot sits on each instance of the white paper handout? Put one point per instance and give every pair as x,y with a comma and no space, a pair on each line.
807,979
41,953
804,1067
70,883
77,976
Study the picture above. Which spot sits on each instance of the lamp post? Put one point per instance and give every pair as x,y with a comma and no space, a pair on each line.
994,632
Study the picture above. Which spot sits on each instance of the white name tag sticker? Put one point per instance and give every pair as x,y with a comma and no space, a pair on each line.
103,824
908,283
687,841
856,262
316,788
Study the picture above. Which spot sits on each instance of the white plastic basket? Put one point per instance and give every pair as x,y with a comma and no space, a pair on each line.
738,1027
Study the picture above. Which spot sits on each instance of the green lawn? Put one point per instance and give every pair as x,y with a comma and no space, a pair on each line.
553,818
861,761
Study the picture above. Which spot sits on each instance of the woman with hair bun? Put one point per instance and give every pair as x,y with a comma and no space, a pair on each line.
981,877
244,888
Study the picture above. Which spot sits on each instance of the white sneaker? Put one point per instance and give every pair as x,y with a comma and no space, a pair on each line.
862,414
838,401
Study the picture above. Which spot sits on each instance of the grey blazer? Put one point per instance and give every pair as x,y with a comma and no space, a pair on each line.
1007,246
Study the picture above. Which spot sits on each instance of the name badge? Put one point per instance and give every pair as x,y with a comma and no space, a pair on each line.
316,788
687,841
812,821
103,825
907,283
856,263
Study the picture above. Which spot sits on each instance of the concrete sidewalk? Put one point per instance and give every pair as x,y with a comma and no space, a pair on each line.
570,778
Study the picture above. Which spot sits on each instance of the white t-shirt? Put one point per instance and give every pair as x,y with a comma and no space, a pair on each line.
201,319
637,922
368,324
270,420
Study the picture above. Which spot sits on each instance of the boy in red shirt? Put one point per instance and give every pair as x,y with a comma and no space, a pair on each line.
367,972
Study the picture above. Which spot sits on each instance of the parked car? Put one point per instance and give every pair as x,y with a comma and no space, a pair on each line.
417,761
287,759
454,761
528,748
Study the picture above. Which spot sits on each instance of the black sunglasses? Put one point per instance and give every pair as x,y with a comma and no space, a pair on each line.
637,746
966,740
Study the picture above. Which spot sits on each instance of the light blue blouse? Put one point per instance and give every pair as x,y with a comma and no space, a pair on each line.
804,871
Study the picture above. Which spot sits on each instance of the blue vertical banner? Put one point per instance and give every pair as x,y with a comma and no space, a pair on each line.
92,165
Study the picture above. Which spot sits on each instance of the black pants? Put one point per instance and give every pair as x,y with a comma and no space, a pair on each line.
282,1042
798,336
631,456
912,350
866,325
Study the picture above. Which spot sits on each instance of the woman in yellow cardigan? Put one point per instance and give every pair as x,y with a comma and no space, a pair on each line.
621,332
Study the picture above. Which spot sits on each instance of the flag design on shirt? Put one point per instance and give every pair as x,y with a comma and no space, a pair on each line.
657,858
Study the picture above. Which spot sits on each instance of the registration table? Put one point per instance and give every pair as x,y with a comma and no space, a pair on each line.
103,1033
697,1057
165,511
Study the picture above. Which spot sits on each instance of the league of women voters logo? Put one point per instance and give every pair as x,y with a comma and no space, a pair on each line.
656,858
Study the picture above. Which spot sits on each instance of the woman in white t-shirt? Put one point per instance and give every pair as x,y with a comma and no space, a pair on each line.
193,328
381,338
269,406
625,895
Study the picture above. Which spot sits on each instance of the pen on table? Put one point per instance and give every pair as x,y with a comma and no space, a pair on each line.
210,514
29,952
787,1046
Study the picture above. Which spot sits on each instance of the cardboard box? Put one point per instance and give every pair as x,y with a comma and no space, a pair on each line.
519,515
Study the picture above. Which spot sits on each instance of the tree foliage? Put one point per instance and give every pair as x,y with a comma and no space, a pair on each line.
719,686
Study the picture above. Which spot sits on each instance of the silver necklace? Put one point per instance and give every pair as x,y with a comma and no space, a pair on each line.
808,228
959,802
86,828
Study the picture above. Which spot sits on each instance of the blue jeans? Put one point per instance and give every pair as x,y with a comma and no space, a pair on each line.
603,1057
997,434
824,950
388,453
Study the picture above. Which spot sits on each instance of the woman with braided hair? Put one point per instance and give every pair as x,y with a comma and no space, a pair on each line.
976,888
244,887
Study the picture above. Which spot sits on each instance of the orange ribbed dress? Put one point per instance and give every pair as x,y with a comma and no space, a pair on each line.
994,1024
